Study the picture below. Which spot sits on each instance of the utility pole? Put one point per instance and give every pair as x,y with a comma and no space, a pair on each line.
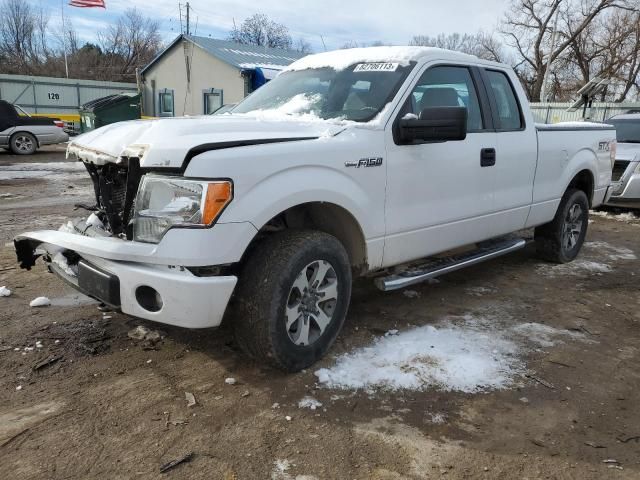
64,40
188,28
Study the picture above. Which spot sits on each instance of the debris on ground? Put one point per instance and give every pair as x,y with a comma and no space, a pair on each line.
174,463
191,399
142,333
391,332
40,302
594,445
288,418
541,381
47,362
310,403
230,381
245,394
4,291
411,294
18,388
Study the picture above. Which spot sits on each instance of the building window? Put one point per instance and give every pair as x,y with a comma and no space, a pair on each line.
212,99
165,103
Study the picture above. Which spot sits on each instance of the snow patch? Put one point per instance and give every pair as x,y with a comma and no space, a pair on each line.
473,356
620,217
94,221
4,291
612,252
577,267
280,468
342,59
73,300
61,261
40,302
310,403
42,170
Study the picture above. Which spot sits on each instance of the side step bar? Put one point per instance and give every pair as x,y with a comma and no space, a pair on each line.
440,266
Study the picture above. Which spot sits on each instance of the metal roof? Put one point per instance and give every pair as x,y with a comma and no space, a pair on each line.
238,55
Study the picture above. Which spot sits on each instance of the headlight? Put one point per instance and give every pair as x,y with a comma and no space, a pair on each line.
164,202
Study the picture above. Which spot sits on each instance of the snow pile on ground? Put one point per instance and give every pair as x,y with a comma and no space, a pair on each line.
471,356
72,300
40,302
310,403
577,267
612,252
280,468
4,291
44,170
620,217
464,358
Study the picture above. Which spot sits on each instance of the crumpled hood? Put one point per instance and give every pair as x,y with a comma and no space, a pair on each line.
165,142
628,151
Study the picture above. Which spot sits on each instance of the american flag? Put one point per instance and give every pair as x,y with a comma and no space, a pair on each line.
87,3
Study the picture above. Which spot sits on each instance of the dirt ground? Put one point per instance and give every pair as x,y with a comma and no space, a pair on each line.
91,403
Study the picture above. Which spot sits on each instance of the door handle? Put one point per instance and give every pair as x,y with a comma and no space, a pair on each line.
487,157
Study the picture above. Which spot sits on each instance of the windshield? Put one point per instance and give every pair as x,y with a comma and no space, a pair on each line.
357,93
627,131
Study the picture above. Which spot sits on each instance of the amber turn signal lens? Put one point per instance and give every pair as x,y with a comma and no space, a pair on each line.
219,195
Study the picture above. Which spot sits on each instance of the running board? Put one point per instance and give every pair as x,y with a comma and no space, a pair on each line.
440,266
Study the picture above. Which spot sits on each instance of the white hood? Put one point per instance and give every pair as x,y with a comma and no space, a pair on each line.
165,142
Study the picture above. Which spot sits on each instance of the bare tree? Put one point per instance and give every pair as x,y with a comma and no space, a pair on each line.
528,27
23,43
303,46
482,45
132,42
259,29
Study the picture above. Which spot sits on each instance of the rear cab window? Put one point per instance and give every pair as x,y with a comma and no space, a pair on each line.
507,112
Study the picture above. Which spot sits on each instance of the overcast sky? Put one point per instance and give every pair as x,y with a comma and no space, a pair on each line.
338,21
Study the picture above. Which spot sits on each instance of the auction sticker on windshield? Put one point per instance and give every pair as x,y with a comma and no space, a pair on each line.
376,67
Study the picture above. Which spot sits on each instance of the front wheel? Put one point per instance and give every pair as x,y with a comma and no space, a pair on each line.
561,239
23,143
292,298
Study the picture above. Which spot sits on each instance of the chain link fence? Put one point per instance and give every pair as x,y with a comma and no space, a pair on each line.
598,112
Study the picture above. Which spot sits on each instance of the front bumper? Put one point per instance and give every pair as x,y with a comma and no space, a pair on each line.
185,299
120,273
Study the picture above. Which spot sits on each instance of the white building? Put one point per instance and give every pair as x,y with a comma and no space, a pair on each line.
198,75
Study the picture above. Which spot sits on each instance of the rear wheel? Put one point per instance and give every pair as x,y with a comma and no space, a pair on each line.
23,143
292,298
561,239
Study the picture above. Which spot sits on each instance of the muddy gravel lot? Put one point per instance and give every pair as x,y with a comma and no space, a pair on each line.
511,369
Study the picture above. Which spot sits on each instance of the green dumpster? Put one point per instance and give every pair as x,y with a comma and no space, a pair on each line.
109,109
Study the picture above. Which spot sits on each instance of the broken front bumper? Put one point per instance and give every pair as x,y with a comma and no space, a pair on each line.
147,280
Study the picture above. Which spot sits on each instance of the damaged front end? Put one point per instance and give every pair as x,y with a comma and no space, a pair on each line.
115,185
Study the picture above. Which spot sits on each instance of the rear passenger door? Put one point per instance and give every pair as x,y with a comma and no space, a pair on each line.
516,152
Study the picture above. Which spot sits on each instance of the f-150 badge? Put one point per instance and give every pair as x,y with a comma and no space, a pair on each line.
365,162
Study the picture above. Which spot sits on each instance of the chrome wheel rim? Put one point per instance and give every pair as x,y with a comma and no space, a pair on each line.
23,143
311,303
572,227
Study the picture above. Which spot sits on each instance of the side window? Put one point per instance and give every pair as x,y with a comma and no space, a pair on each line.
509,116
165,103
448,87
212,99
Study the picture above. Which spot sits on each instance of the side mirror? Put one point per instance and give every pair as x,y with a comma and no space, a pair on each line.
436,124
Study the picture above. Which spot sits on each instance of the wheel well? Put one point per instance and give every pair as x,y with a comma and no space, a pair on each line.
584,181
325,217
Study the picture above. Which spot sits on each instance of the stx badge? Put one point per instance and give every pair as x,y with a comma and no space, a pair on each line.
365,162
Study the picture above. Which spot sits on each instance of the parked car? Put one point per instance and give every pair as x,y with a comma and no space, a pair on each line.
362,162
23,134
626,169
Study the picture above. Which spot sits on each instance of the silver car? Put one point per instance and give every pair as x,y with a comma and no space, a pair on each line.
23,134
626,169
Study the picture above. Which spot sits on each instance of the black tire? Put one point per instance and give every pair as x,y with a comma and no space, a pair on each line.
266,289
23,143
561,239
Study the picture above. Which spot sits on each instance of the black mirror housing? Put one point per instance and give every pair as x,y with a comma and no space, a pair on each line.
435,124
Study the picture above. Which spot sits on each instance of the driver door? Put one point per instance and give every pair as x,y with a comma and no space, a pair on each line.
439,195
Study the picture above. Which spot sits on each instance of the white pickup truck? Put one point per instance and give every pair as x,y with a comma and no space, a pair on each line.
358,162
